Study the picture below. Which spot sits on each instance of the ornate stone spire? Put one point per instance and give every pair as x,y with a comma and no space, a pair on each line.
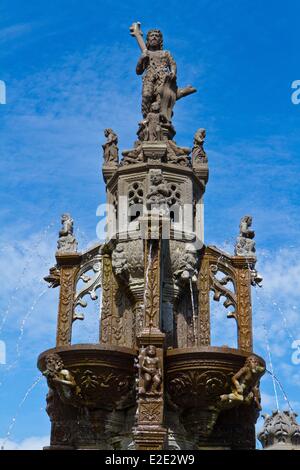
280,431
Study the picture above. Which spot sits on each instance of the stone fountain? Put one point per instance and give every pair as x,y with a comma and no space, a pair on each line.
153,381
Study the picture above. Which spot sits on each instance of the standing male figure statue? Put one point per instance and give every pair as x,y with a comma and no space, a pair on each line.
160,73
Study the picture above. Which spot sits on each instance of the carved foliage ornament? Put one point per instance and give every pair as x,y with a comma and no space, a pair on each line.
218,286
91,282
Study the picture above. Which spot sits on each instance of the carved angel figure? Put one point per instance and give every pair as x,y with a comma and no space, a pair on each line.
245,384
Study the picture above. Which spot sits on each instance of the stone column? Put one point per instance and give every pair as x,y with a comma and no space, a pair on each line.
150,434
244,307
68,263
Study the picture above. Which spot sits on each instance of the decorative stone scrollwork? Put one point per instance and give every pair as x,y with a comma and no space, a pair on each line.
175,195
91,282
135,193
218,286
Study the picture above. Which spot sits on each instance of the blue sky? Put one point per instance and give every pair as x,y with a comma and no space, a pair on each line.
69,69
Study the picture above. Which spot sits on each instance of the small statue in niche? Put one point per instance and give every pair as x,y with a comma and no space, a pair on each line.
158,190
198,153
150,371
60,378
245,384
151,126
119,261
110,148
67,242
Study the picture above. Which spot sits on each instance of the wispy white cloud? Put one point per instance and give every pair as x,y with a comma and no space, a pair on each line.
30,443
15,31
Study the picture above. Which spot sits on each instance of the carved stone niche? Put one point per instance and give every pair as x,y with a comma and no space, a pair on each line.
195,380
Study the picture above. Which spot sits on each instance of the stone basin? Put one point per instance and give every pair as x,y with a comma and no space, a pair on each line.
104,375
195,380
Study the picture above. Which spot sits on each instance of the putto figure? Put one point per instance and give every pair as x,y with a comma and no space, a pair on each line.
158,190
245,384
67,242
59,378
150,371
245,245
160,73
110,148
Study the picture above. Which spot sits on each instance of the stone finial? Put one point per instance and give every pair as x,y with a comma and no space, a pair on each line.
110,148
66,243
280,431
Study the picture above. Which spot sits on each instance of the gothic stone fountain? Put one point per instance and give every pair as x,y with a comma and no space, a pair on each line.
153,381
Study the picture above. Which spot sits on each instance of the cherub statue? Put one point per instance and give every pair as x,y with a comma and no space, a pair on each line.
245,384
66,242
245,245
150,371
198,152
158,190
60,378
110,148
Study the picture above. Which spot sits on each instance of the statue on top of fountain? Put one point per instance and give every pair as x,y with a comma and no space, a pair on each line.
160,74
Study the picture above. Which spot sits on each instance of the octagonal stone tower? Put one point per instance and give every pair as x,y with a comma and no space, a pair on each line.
153,381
